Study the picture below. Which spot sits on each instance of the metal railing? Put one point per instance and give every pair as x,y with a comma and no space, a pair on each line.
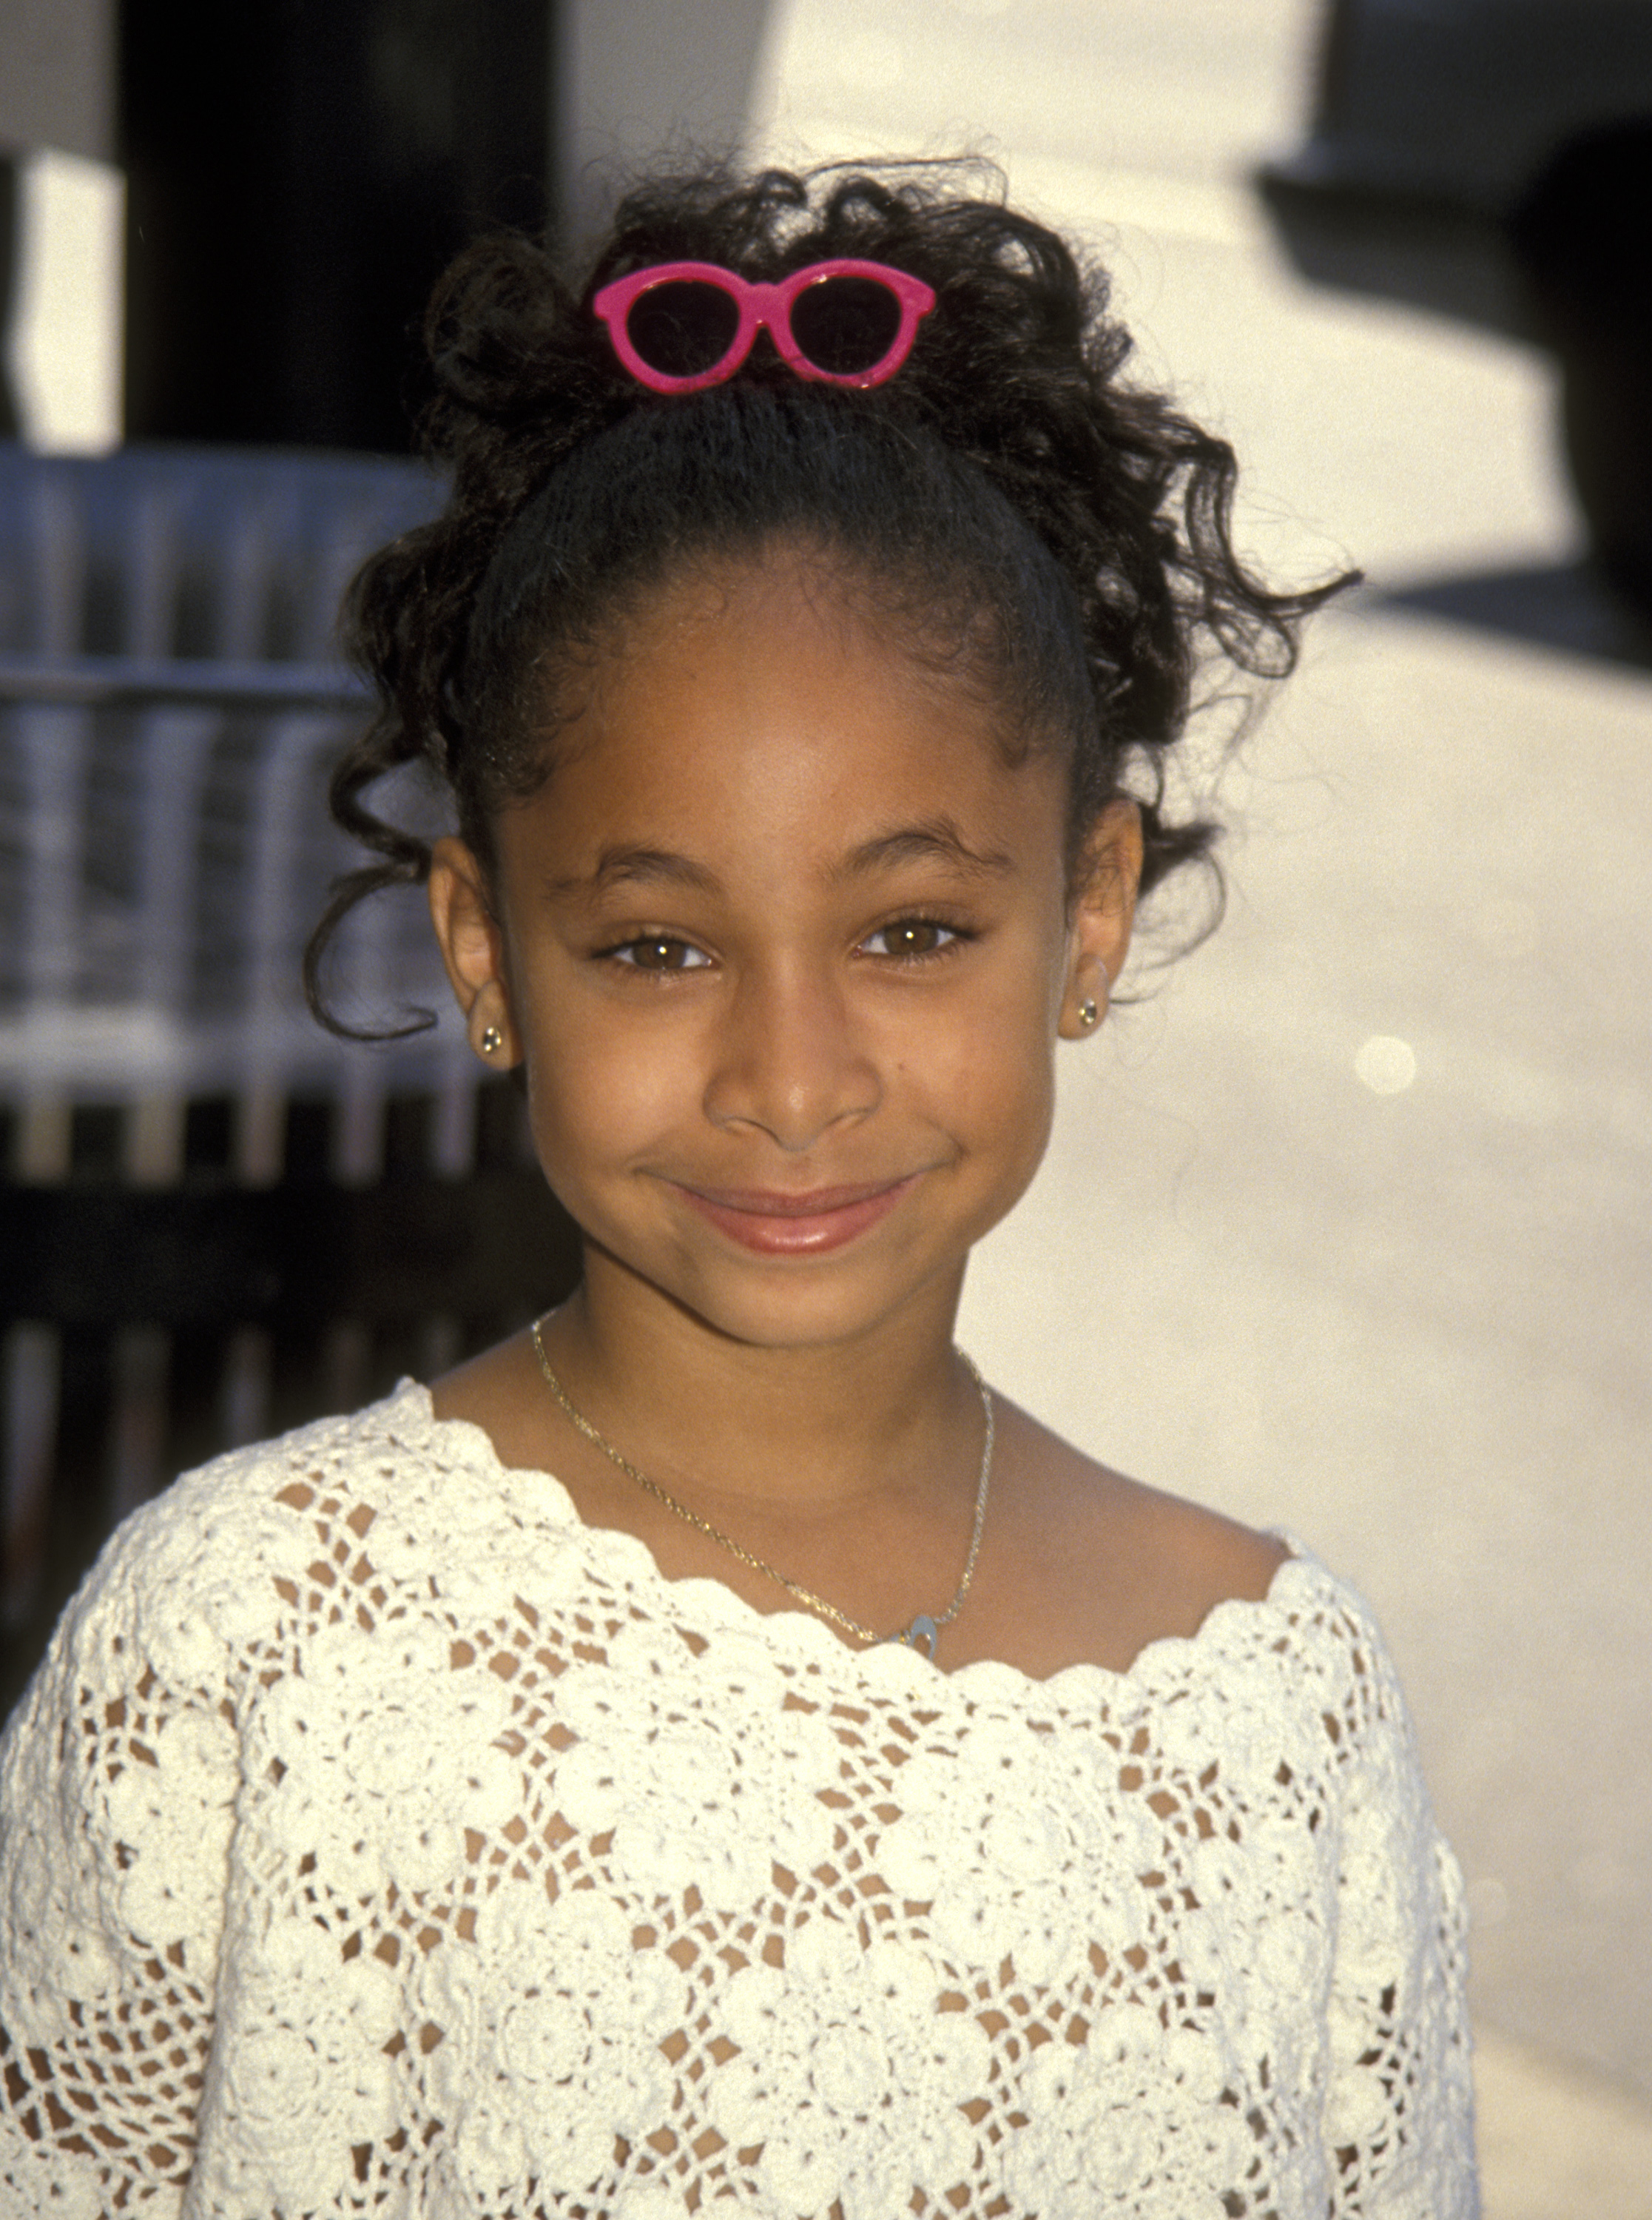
216,1218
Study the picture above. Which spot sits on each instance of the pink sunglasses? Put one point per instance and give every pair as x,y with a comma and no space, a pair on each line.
684,325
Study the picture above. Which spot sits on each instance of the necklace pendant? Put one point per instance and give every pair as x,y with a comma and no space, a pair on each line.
923,1634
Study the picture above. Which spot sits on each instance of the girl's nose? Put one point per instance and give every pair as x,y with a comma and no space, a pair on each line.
788,1064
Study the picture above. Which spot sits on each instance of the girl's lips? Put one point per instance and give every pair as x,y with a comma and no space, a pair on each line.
777,1225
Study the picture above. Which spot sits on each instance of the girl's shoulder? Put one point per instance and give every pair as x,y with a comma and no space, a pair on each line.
1191,1623
230,1561
244,1501
1103,1567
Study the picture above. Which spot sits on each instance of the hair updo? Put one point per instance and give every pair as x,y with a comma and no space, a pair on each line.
1058,538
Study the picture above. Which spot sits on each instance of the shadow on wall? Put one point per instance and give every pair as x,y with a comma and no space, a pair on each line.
1492,160
1565,606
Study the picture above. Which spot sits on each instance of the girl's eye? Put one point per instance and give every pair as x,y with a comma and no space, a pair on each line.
659,952
913,938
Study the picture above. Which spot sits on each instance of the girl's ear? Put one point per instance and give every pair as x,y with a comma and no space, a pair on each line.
1103,910
473,949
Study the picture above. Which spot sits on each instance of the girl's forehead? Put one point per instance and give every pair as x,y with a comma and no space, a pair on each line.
808,605
767,703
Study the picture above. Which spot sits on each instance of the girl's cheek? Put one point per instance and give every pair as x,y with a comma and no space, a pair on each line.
603,1088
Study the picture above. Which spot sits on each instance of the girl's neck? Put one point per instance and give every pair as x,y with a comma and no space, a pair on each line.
796,1429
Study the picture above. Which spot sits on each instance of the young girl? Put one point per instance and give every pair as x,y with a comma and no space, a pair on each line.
829,1794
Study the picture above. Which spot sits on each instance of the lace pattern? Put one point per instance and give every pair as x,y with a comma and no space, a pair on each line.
381,1840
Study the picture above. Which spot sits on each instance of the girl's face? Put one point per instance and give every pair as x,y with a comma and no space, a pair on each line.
785,945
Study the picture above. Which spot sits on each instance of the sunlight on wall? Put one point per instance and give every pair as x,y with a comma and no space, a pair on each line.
64,353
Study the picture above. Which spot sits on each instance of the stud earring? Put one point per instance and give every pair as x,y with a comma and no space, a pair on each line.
492,1040
1088,1014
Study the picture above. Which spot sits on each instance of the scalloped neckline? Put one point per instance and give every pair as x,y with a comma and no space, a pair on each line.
789,1623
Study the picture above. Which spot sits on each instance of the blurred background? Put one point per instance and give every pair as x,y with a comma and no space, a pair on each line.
1345,1224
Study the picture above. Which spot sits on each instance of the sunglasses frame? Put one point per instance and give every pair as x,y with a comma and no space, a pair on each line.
763,308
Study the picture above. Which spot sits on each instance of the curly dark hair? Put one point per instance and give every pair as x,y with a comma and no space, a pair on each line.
1057,536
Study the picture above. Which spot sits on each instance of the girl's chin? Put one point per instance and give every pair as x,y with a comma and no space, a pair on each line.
765,1301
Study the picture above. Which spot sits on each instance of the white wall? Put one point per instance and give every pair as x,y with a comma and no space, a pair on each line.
57,75
62,346
638,77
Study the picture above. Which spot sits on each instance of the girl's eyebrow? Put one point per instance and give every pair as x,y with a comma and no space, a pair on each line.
619,866
938,840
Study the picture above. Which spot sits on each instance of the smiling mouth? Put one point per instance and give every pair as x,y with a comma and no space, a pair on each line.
776,1223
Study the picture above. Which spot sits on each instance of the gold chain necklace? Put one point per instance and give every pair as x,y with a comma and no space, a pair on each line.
924,1632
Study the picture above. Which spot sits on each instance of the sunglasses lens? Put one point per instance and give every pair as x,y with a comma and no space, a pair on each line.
684,327
846,325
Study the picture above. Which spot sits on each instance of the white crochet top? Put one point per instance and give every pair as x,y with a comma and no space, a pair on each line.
382,1840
